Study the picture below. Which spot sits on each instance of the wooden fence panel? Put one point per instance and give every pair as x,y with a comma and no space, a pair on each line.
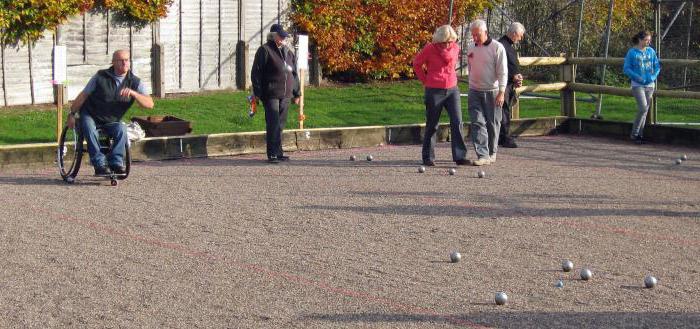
17,76
42,69
209,69
96,39
199,39
229,37
190,46
170,40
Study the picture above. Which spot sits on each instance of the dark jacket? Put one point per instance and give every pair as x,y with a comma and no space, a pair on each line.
104,104
512,57
274,73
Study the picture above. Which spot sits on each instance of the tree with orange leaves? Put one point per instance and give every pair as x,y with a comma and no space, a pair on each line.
375,39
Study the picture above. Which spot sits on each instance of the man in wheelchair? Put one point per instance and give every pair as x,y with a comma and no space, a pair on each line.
103,102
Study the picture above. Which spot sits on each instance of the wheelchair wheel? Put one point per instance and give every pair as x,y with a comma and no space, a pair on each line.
69,153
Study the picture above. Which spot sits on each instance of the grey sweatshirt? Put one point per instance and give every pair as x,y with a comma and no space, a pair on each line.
488,66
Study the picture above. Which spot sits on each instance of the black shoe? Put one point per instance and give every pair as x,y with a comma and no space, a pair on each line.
119,170
282,158
102,171
509,143
273,160
428,163
639,140
463,162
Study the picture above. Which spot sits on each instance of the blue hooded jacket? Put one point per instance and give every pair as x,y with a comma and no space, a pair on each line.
642,66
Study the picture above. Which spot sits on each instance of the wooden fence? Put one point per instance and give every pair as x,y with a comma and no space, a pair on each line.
568,86
200,45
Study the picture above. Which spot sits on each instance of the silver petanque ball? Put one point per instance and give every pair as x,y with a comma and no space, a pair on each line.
353,158
481,174
501,298
452,171
684,157
650,281
455,257
421,169
370,158
567,265
679,161
559,284
586,274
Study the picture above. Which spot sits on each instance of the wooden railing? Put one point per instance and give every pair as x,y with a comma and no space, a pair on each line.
568,85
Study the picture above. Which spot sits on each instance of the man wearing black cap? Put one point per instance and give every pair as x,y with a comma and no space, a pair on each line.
275,83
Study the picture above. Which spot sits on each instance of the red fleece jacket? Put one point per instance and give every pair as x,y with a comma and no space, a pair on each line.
435,66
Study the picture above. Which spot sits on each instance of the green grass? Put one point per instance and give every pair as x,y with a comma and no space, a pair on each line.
349,105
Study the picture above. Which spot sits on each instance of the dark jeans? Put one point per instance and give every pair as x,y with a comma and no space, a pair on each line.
275,119
507,107
435,100
115,130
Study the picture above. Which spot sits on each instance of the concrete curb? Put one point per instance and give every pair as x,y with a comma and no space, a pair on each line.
621,130
192,146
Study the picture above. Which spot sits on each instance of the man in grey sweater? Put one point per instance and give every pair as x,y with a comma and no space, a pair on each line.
488,75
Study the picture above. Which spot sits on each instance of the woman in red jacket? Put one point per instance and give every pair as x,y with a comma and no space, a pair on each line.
435,68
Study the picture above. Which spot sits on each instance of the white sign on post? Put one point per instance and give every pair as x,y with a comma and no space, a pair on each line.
303,52
60,65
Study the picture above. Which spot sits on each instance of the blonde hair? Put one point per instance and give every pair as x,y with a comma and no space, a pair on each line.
444,33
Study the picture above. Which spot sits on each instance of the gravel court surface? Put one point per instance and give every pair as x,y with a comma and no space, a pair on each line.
322,241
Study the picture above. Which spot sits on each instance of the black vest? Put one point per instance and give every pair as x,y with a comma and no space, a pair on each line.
104,104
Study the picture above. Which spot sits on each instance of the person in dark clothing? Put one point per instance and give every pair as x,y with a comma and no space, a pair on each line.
275,83
102,103
515,79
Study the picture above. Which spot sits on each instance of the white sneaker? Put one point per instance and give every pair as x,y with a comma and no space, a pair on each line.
481,161
493,158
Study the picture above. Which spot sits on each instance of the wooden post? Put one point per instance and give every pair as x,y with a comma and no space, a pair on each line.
59,75
59,111
242,69
652,113
301,100
158,67
515,108
567,73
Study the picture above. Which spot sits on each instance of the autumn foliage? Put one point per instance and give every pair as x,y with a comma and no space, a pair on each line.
24,21
375,38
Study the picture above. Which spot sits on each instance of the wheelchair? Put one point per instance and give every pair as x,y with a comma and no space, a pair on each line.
72,147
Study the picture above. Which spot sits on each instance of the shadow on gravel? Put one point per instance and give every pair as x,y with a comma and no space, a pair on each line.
489,212
294,162
606,155
507,319
32,180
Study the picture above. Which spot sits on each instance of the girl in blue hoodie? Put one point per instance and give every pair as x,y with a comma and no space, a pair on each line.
642,67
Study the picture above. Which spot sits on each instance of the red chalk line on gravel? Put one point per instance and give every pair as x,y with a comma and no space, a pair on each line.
290,277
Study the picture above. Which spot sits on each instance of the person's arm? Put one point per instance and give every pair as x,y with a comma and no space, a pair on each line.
656,65
256,72
80,100
419,64
629,70
501,74
141,97
75,108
